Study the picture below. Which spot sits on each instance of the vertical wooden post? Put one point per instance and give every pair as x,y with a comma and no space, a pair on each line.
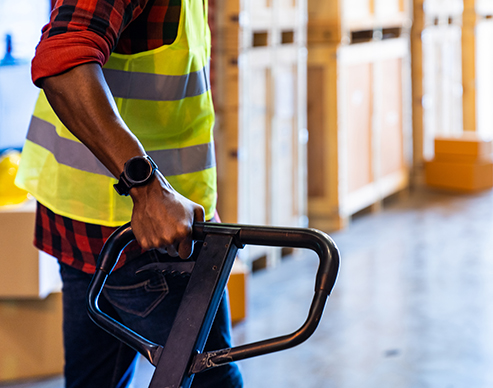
469,65
417,84
402,6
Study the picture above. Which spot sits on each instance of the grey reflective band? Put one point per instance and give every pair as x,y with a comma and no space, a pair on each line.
157,87
68,152
176,161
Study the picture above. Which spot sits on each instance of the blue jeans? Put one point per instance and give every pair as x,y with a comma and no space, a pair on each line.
147,303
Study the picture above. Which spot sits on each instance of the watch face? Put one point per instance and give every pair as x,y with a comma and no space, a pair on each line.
138,169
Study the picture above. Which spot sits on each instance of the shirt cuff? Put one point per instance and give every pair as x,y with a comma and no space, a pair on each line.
63,52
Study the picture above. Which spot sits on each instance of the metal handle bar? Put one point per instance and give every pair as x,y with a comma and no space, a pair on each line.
312,239
108,258
328,268
276,236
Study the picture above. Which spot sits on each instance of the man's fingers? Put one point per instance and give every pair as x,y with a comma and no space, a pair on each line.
199,214
185,248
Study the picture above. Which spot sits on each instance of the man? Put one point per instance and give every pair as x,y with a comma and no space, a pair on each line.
150,105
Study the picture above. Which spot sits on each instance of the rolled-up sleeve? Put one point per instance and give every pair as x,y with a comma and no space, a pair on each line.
81,31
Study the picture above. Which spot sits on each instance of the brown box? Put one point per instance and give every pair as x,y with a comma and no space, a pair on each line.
237,288
31,338
461,176
467,147
24,271
462,162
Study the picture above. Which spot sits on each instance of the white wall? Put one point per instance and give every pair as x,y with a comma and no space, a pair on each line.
23,19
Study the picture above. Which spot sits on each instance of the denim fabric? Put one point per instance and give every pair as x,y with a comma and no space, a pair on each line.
145,302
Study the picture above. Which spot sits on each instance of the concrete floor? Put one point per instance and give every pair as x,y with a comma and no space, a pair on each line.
411,307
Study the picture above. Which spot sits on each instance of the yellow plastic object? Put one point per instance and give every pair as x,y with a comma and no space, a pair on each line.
10,194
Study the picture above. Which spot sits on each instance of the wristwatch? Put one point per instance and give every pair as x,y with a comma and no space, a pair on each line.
137,171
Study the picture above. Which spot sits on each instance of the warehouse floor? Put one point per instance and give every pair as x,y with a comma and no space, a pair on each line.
411,308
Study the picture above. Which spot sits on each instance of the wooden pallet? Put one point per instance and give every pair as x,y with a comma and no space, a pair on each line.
442,84
441,10
484,77
451,70
260,98
477,32
359,127
437,42
244,25
337,21
261,141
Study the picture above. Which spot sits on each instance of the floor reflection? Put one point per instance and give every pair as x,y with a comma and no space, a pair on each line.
411,307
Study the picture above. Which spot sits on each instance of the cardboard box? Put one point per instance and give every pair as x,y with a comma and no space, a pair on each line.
237,288
31,338
461,176
467,147
24,271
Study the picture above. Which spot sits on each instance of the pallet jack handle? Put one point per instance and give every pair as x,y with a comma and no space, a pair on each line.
239,235
326,276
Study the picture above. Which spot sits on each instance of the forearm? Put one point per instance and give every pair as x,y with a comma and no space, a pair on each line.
83,102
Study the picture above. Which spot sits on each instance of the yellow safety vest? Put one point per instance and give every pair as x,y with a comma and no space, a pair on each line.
164,97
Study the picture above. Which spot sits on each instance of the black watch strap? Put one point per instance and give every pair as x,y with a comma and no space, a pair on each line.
137,171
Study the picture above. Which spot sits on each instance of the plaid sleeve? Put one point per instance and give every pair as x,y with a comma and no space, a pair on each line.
82,31
75,243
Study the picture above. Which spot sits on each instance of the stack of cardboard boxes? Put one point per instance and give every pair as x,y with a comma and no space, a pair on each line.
462,163
30,306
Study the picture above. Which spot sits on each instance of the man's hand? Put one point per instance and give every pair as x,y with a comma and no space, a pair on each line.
162,218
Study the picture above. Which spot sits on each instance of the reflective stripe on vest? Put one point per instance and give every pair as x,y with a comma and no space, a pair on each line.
71,153
157,87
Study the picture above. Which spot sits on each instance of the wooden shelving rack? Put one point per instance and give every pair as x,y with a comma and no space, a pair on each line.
359,106
260,97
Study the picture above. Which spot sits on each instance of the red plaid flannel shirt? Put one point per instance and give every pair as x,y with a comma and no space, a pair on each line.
74,242
82,31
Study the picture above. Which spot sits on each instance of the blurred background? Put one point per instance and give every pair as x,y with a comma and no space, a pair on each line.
371,120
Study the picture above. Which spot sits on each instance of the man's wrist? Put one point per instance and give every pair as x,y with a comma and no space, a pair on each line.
137,171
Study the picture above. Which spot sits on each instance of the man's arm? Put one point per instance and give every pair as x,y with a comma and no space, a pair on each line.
161,217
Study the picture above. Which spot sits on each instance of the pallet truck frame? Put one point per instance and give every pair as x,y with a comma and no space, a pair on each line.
182,356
